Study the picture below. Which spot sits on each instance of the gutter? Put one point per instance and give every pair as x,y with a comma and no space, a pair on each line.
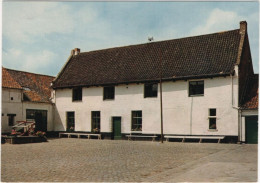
149,80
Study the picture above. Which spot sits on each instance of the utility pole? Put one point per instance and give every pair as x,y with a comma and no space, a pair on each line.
160,55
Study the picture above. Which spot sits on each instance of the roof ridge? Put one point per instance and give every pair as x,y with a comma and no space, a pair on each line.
133,45
29,72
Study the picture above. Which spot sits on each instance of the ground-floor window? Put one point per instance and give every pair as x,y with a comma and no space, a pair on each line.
136,120
212,119
71,121
11,119
95,119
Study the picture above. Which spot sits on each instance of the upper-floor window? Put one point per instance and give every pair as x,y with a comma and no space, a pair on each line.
150,90
196,88
109,92
212,119
77,94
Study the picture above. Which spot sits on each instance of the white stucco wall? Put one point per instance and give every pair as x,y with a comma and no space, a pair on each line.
16,106
11,107
182,114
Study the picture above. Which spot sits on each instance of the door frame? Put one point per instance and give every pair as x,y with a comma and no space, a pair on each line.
113,118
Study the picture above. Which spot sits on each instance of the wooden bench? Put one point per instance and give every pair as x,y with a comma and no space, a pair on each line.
193,137
80,134
141,136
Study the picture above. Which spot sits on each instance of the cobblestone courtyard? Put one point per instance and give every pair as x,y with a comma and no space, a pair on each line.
77,160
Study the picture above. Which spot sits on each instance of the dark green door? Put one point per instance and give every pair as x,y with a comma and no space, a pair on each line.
252,129
117,128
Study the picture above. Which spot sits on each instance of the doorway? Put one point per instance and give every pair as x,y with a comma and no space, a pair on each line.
117,128
40,118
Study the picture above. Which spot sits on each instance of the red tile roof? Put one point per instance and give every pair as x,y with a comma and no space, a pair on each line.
8,81
251,96
192,57
36,86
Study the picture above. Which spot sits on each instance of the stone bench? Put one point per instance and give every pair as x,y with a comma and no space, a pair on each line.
141,136
193,137
80,134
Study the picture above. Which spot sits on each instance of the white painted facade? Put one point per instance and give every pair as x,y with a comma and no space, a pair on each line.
182,114
12,104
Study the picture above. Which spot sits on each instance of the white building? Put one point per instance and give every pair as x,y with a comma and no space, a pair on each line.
26,96
117,90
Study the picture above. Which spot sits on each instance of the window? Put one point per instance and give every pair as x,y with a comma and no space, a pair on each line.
196,88
212,119
77,94
150,90
71,121
95,115
136,120
109,92
11,119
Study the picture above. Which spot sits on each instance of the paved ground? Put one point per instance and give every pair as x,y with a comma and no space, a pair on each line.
77,160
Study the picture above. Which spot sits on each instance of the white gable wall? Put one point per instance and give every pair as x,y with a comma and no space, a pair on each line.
182,114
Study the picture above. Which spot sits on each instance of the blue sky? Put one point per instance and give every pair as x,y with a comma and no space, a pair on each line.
38,36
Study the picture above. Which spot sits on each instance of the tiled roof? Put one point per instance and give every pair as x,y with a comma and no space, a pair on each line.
251,96
8,81
192,57
36,86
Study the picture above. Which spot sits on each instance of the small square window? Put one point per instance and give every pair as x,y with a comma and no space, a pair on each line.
212,112
196,88
77,94
109,93
150,90
12,98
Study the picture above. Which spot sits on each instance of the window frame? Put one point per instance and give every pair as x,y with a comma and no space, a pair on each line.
77,94
196,93
109,93
94,123
212,118
11,119
133,117
150,93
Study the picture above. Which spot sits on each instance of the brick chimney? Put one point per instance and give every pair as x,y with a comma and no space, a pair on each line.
243,27
75,51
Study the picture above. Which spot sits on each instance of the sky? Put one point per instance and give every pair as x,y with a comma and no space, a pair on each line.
38,36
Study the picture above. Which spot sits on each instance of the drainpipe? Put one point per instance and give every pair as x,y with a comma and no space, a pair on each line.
238,109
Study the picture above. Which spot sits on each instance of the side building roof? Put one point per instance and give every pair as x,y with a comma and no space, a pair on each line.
8,81
36,87
202,56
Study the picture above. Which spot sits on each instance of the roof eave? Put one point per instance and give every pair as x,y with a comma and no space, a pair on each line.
151,80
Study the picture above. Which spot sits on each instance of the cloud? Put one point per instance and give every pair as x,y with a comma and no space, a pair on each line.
24,21
218,20
31,62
